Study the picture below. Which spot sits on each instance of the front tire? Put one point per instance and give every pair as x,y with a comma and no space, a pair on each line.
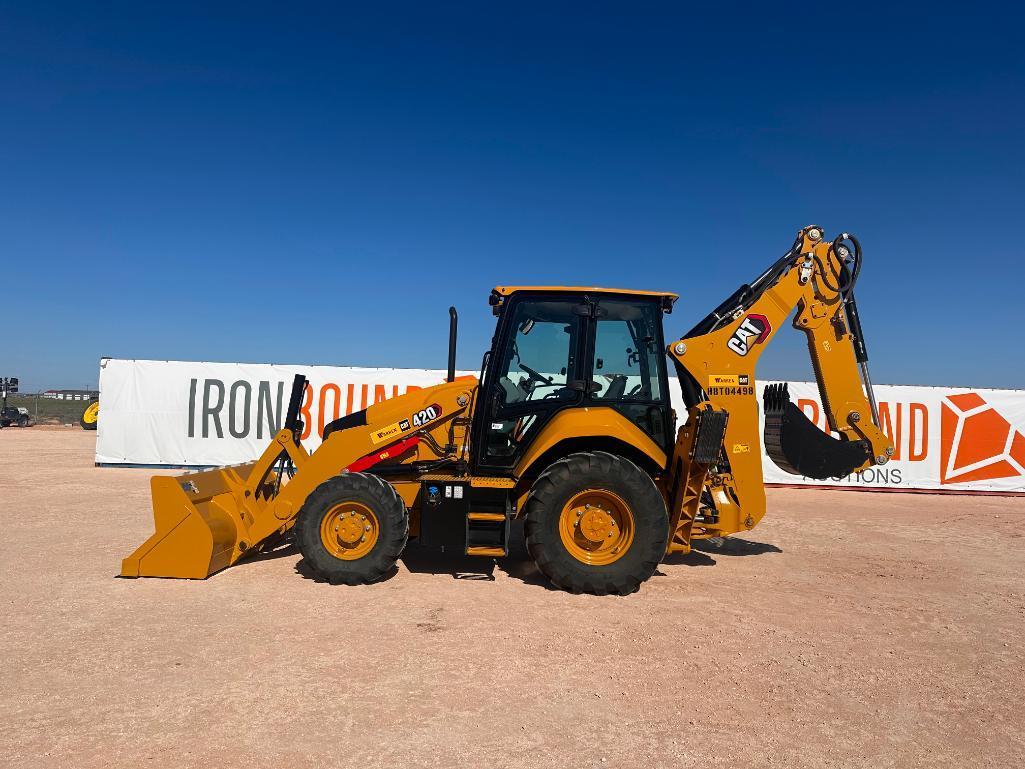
352,529
596,523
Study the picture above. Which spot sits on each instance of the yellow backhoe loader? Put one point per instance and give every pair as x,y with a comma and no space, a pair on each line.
569,426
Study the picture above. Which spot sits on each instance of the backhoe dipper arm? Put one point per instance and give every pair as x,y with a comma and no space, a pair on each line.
716,364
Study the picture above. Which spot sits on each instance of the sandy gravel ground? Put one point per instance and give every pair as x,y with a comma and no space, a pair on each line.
849,630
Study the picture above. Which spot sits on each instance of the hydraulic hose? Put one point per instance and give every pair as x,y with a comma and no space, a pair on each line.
851,274
848,278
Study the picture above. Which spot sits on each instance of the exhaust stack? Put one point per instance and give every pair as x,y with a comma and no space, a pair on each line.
453,325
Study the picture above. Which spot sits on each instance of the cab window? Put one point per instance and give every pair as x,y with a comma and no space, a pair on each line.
627,371
627,349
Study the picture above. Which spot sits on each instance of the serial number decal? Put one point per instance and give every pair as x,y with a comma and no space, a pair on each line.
731,390
426,415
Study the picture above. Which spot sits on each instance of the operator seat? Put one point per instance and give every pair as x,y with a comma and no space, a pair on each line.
616,388
514,393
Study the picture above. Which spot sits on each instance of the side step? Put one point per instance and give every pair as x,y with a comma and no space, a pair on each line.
492,552
471,514
487,530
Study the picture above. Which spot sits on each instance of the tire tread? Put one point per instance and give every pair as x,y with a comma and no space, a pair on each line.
393,520
569,475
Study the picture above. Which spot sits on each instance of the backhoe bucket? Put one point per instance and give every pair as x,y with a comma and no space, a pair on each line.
799,447
195,519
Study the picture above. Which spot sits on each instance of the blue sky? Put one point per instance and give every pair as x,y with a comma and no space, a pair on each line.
318,185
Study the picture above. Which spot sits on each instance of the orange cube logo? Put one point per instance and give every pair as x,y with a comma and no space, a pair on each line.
977,443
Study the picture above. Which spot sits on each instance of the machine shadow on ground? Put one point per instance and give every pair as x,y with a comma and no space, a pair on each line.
424,560
733,546
303,570
703,550
518,564
287,549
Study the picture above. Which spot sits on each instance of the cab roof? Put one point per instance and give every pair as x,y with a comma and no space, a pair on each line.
509,290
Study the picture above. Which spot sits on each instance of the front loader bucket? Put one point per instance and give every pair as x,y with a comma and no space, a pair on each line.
207,521
195,519
799,447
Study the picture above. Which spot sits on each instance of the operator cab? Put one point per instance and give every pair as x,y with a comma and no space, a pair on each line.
564,348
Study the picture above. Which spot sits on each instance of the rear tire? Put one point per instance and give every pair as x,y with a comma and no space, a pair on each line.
352,529
635,543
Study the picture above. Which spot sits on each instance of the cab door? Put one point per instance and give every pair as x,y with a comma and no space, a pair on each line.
627,370
535,370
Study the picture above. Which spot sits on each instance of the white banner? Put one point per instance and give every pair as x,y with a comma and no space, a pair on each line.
183,413
945,438
190,413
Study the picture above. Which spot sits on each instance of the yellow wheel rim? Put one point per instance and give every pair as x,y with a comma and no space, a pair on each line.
349,530
92,413
596,527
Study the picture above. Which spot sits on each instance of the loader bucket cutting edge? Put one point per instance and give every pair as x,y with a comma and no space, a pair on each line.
195,533
799,447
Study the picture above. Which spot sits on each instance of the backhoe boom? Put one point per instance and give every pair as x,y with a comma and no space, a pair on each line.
716,363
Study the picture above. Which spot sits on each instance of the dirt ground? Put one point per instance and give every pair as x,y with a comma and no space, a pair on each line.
848,630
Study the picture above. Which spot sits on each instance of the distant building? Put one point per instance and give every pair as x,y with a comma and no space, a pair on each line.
72,395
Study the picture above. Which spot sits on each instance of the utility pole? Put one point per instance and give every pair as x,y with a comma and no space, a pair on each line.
8,385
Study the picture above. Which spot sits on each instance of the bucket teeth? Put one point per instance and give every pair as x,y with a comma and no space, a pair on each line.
775,398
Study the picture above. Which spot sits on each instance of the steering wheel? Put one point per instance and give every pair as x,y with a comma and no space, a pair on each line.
635,390
535,376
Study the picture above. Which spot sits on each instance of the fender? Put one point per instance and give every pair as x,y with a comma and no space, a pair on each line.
589,422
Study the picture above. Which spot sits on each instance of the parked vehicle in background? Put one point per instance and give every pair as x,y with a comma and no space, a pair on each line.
11,416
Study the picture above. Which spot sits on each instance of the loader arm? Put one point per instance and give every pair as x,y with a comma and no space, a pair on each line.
718,491
206,521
